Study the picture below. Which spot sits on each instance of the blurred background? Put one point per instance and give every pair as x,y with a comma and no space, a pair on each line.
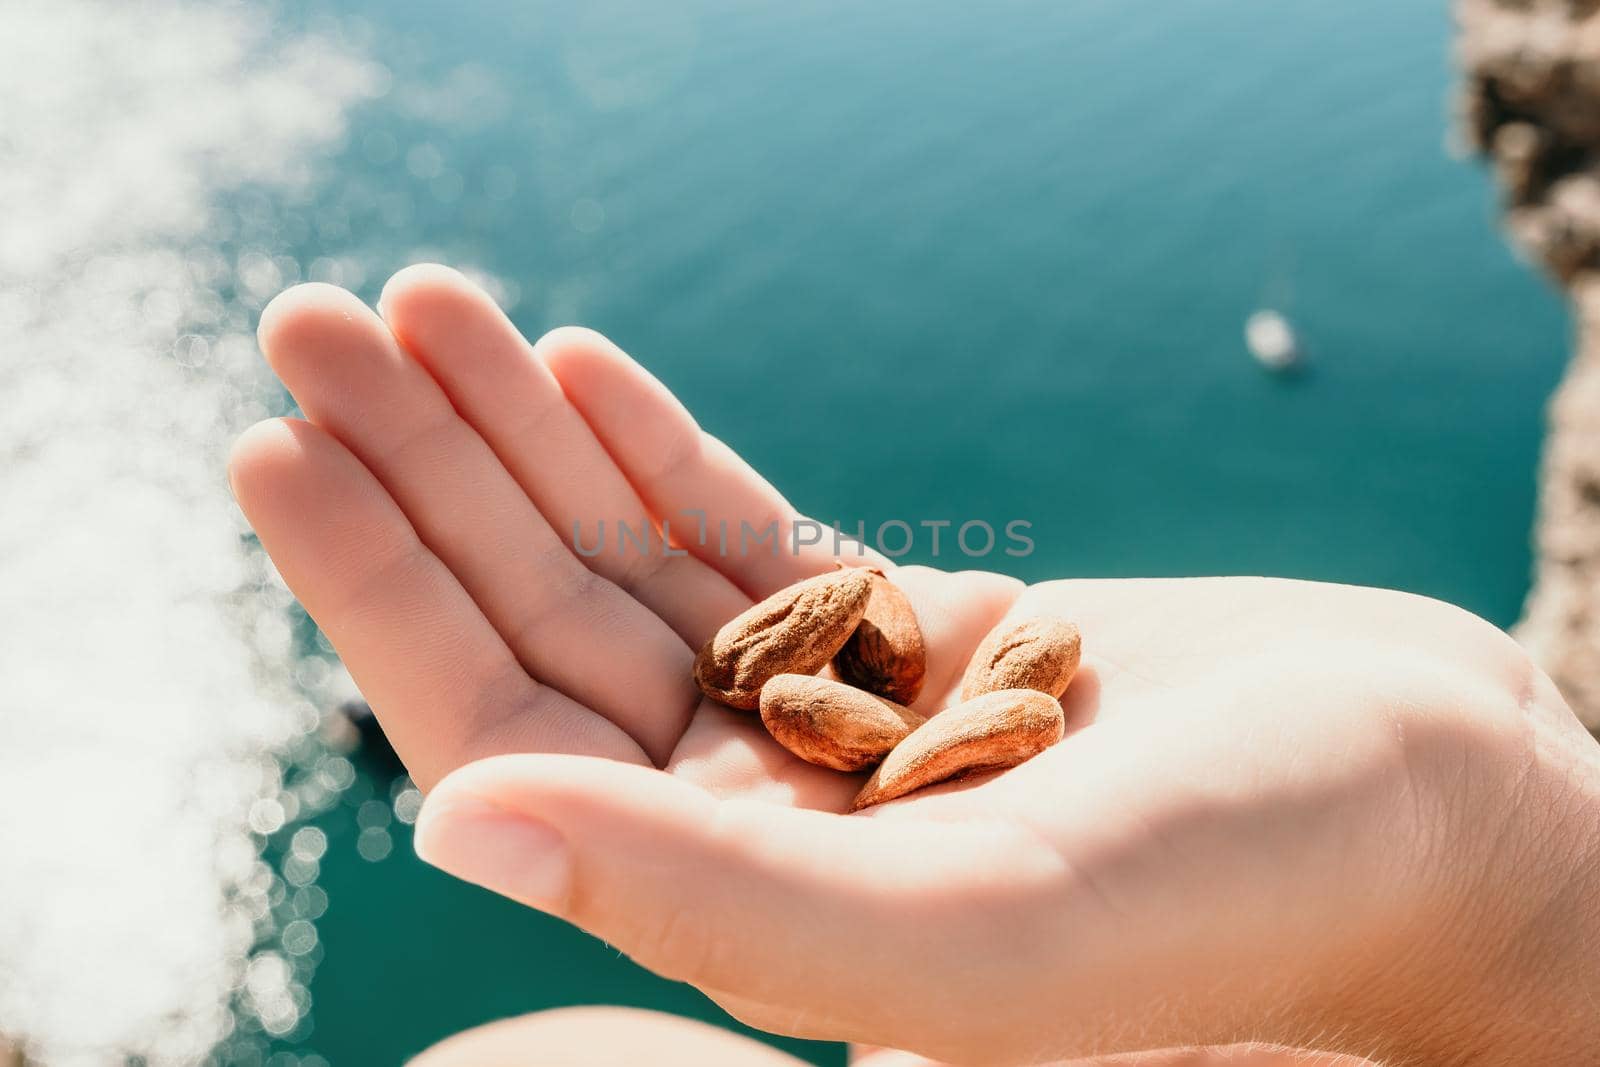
1006,253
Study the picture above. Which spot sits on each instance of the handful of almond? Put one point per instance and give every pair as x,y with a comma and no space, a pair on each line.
768,660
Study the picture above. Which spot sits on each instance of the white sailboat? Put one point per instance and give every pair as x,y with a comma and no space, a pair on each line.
1272,340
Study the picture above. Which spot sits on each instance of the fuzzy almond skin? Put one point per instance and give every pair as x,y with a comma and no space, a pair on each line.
886,654
992,732
794,631
1040,653
832,724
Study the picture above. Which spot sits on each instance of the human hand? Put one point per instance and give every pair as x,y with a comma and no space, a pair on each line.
1312,815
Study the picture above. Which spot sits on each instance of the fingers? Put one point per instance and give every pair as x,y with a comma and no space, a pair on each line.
847,927
686,475
446,686
494,379
560,619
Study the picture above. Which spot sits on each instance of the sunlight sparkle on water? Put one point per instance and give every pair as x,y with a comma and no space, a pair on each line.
139,731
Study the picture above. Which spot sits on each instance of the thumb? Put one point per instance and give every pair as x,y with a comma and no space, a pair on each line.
839,926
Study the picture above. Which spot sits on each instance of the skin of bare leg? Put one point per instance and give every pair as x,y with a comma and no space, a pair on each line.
601,1036
1308,815
605,1036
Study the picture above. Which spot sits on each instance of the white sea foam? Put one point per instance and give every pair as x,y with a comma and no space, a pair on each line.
139,731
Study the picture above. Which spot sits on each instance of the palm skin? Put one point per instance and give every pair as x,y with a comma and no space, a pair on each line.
1271,797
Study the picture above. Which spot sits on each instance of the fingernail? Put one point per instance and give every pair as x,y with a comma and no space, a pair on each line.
514,855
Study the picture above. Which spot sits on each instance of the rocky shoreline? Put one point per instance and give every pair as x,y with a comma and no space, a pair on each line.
1530,103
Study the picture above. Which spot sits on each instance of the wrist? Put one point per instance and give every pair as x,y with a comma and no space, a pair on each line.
1512,971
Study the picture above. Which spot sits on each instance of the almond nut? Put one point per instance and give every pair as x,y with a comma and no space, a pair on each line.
993,732
831,724
885,655
794,631
1040,653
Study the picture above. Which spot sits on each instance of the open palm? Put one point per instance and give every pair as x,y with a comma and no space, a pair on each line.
1160,878
425,516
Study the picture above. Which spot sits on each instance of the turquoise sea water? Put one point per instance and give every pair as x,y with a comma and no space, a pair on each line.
931,262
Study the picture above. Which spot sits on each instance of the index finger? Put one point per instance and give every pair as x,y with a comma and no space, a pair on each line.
439,677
